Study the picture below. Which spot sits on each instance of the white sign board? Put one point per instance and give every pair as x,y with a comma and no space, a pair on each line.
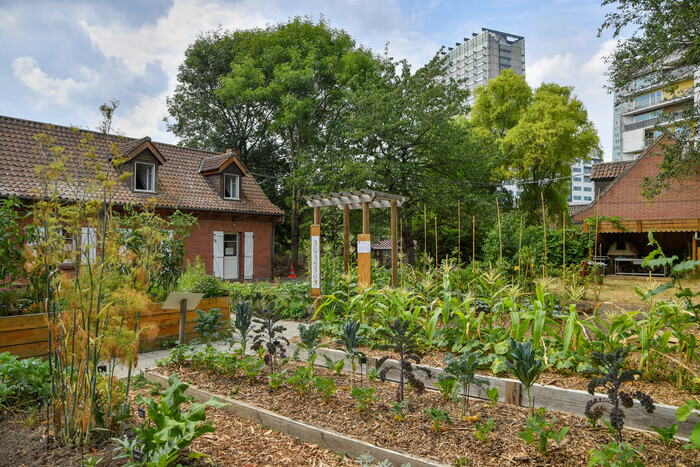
364,247
315,262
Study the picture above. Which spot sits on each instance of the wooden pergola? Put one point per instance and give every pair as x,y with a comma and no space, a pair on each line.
347,200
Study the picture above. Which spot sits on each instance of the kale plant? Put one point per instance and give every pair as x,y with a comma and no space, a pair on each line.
350,339
612,368
404,338
310,340
463,369
524,365
269,334
208,325
242,321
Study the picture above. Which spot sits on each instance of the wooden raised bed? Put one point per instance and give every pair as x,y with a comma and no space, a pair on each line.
27,335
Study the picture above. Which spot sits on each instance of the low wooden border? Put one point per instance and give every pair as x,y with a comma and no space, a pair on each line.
308,433
553,398
27,335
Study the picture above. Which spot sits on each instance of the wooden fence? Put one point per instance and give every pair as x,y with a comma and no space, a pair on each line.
27,335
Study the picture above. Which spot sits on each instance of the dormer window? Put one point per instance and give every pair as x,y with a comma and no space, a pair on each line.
144,177
231,186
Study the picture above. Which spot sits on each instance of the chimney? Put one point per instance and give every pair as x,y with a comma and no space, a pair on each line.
229,151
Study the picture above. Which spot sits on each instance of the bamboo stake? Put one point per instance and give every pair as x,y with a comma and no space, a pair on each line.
437,269
544,228
459,242
401,249
520,248
500,239
425,235
563,261
473,244
595,253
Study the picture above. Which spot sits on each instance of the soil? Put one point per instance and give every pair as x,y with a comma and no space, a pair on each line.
235,442
457,443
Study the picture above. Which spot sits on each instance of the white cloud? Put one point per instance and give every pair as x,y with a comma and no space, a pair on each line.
52,90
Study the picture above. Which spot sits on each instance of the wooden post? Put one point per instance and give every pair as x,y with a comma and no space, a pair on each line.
500,239
512,395
473,244
459,242
315,261
317,215
520,248
394,245
437,268
346,238
544,228
425,234
595,253
365,218
401,255
364,250
183,321
563,261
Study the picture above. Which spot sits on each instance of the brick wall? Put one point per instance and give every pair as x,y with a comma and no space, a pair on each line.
201,242
624,198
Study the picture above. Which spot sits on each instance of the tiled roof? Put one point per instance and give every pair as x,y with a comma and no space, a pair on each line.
213,162
180,185
608,170
576,208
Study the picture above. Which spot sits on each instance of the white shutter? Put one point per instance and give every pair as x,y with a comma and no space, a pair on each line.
218,253
88,244
248,256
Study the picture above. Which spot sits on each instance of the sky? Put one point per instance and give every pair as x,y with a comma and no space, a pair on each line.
60,60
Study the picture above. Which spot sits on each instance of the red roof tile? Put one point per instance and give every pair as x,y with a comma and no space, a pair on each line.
180,185
608,170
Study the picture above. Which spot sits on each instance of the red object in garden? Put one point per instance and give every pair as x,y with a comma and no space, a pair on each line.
291,271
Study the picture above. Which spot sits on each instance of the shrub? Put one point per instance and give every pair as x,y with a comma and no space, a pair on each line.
23,382
196,280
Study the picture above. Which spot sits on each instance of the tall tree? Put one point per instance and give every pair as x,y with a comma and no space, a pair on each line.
664,46
499,106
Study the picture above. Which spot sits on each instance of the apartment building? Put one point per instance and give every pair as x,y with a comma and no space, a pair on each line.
582,188
483,56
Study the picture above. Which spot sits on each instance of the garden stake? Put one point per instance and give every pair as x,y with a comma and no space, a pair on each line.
401,249
473,244
459,242
437,268
425,234
520,247
500,239
563,242
595,253
544,228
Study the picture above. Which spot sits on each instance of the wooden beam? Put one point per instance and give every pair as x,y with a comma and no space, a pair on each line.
365,218
346,239
317,215
394,244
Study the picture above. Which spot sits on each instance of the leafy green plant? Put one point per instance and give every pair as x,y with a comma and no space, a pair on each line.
23,382
252,366
335,367
242,321
492,394
399,410
612,368
463,368
403,336
483,430
447,387
539,430
438,416
373,374
616,455
277,379
350,339
325,387
209,326
683,413
269,334
364,396
170,429
666,434
524,364
196,280
301,379
310,339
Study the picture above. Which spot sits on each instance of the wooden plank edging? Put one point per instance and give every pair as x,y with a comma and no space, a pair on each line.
307,433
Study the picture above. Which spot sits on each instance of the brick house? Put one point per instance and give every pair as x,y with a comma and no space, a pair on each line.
235,234
673,216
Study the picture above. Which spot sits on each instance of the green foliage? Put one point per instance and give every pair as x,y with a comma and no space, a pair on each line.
364,396
252,366
242,321
692,407
524,364
438,416
291,297
399,410
196,280
170,429
277,379
666,434
310,338
336,367
325,387
23,382
350,339
612,368
268,335
463,369
402,335
209,325
616,455
483,430
12,243
492,394
539,430
301,379
447,387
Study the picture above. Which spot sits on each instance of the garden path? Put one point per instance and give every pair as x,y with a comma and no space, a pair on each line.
148,359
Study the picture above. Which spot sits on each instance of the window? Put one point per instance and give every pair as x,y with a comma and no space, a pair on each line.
577,188
587,188
576,169
586,178
587,170
231,186
587,198
230,244
577,198
144,177
577,179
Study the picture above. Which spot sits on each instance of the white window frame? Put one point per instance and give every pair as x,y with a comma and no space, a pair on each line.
153,181
238,186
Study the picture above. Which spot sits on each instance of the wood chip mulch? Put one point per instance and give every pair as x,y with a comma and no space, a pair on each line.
377,426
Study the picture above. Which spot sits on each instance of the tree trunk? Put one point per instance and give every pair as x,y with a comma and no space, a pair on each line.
294,235
407,241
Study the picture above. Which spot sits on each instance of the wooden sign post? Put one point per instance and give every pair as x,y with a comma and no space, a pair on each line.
315,261
184,302
364,249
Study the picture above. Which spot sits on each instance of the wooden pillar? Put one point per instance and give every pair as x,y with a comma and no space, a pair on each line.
394,245
317,215
315,260
183,321
346,238
364,250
